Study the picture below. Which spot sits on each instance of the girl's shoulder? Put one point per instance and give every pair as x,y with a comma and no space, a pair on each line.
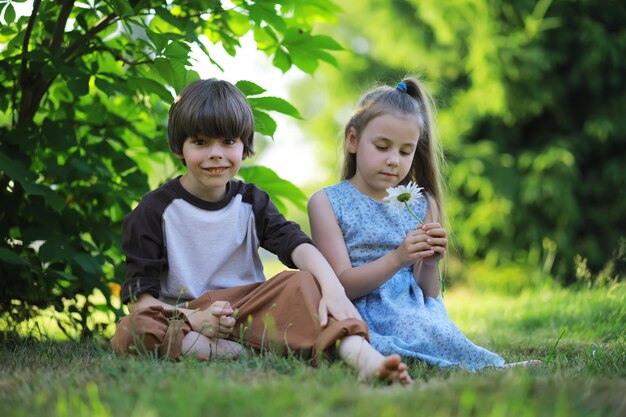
338,192
342,185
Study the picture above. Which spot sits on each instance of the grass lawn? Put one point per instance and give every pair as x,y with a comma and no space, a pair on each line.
578,334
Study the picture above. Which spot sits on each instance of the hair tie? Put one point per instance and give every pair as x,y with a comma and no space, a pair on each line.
401,86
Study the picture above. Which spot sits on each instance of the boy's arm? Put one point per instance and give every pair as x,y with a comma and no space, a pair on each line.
144,250
294,248
334,300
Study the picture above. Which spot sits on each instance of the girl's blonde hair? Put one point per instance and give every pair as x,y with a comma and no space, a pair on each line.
409,98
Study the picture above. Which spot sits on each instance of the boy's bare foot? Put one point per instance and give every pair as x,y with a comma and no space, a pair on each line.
204,348
389,368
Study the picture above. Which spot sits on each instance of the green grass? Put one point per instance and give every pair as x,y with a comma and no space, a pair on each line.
580,336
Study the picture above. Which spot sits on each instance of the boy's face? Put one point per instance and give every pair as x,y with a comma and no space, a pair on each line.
211,163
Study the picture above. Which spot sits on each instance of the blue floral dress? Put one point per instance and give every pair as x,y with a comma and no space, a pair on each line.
400,319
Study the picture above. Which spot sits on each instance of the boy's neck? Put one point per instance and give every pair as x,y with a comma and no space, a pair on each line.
210,195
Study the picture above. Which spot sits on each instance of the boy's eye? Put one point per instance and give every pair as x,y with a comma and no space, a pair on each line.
229,141
199,142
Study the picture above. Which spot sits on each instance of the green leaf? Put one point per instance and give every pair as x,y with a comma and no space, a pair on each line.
264,123
55,249
248,88
121,7
275,104
278,188
178,51
18,172
79,86
238,23
9,13
10,257
303,61
87,263
324,42
105,86
175,73
265,37
281,60
148,85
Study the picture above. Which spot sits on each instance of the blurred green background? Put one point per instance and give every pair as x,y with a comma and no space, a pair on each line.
531,98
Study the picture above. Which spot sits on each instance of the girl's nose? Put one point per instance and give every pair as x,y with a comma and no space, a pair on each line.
393,160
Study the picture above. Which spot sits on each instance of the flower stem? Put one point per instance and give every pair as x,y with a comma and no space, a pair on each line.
442,285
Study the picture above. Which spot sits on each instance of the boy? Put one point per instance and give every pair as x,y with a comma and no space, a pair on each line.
192,256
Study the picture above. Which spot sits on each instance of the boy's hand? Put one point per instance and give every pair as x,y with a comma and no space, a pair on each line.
214,322
338,306
436,238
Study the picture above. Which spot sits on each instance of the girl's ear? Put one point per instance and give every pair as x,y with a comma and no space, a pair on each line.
352,141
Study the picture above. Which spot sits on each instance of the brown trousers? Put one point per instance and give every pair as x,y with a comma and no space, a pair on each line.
280,314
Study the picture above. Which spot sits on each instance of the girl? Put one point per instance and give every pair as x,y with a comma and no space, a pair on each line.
387,265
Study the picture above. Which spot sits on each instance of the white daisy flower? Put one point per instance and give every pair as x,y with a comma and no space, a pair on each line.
403,195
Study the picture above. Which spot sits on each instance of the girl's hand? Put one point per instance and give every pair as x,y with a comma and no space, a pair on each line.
436,238
414,247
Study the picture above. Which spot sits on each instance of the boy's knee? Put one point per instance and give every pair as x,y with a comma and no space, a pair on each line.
304,280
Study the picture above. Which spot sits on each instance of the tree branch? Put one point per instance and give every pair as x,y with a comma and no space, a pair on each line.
59,29
119,57
27,35
26,86
104,23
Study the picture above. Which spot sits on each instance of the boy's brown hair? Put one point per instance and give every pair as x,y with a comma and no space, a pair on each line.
213,108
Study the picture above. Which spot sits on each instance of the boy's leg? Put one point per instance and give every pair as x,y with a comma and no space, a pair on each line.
151,330
282,313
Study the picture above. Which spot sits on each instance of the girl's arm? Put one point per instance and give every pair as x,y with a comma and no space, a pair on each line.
425,269
364,279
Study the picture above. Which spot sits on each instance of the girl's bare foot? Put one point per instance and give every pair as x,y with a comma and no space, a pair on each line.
389,368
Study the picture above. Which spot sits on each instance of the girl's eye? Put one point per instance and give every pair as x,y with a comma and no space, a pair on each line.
405,153
199,142
381,148
229,142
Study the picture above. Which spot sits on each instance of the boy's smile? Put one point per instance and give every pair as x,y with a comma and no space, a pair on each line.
215,170
211,164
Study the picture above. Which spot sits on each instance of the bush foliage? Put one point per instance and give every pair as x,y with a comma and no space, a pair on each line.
85,91
531,97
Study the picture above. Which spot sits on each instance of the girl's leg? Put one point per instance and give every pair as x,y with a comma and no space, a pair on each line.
370,363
